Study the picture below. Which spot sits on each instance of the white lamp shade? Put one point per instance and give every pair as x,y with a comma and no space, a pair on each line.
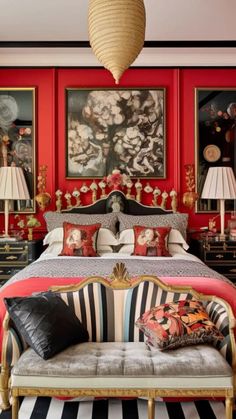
220,183
13,184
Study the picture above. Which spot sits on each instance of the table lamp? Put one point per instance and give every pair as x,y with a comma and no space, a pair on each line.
12,186
220,184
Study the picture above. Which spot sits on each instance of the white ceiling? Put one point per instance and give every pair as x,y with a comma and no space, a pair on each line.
66,20
167,20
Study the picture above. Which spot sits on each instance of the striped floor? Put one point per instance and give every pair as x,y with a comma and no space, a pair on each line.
47,408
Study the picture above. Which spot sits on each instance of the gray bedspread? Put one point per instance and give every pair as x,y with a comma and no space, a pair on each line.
85,267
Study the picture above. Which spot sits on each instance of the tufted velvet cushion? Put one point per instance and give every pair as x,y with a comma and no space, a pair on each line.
131,359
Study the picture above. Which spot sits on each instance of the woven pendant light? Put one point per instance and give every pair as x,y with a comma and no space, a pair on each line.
116,32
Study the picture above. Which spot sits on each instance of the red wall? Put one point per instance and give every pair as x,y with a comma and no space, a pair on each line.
50,115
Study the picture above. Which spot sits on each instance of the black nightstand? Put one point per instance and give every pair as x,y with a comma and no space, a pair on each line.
15,255
218,255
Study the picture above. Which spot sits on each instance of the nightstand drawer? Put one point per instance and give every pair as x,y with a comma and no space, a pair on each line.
219,255
7,271
227,270
14,254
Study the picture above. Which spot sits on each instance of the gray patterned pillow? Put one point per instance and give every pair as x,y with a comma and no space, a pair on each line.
177,220
56,219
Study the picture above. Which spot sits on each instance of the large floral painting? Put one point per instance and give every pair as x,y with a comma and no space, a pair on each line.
123,129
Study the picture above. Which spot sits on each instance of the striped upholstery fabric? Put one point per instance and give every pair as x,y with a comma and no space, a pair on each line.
94,306
218,315
15,345
110,315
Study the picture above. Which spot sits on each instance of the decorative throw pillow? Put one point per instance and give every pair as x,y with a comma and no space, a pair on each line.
176,324
178,221
151,241
46,322
79,240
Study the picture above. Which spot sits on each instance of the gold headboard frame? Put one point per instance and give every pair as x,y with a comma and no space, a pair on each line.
89,194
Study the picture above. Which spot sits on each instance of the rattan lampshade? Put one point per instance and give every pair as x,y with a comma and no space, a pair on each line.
116,32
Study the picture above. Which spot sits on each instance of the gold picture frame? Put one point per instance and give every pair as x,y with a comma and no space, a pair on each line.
215,138
121,128
17,131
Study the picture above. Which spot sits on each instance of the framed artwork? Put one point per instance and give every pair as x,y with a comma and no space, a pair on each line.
108,129
215,138
17,134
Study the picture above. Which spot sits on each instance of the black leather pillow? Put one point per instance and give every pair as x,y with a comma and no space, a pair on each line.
46,322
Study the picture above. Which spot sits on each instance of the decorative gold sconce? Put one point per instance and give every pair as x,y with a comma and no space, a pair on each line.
190,197
43,198
116,32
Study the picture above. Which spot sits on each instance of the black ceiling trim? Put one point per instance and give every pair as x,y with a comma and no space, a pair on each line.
147,44
161,67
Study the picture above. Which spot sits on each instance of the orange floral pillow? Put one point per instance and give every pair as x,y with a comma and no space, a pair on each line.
176,324
79,240
151,241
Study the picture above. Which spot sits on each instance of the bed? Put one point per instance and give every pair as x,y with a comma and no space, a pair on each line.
117,213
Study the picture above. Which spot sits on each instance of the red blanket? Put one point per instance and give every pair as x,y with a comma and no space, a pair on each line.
209,286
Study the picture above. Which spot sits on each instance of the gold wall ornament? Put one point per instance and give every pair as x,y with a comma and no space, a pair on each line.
190,197
43,198
58,194
174,200
102,185
76,195
138,186
164,197
156,194
67,197
94,188
116,32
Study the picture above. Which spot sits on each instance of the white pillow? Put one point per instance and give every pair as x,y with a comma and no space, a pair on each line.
105,239
55,235
55,249
127,248
127,237
175,237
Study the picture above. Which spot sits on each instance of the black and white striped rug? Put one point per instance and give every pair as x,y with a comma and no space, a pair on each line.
47,408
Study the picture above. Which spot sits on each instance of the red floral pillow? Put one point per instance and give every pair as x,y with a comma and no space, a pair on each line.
151,241
180,323
79,240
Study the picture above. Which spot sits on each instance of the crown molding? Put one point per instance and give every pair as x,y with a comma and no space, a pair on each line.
147,44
